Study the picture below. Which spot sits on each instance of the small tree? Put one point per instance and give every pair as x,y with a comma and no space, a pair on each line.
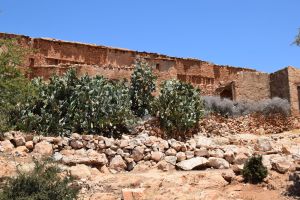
179,108
43,182
254,171
14,87
297,39
142,86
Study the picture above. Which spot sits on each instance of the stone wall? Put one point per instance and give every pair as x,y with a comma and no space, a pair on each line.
294,86
279,84
254,86
55,56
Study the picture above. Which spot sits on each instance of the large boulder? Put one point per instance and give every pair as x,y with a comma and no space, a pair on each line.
240,159
19,140
202,152
6,146
218,163
180,156
117,163
216,153
171,152
171,159
90,157
192,163
76,144
293,150
266,161
204,142
156,156
138,153
263,144
43,148
133,193
280,164
165,166
80,171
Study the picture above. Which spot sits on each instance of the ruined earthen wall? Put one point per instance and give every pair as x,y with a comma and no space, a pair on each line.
294,85
279,84
252,86
55,56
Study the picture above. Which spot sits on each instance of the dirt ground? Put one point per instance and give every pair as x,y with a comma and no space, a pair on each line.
193,185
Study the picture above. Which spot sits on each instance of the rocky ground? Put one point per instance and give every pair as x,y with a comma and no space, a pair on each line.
149,167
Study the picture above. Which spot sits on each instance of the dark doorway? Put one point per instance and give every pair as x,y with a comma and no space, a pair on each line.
226,93
157,67
31,62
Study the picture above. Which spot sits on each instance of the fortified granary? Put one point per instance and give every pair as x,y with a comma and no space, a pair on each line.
55,56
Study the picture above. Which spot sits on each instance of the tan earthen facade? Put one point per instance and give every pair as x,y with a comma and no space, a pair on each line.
55,56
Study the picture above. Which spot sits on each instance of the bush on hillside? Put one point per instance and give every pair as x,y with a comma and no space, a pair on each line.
15,88
84,105
274,105
179,108
227,107
218,105
254,171
142,86
43,182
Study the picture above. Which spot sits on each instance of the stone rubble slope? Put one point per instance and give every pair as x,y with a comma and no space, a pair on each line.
281,152
214,124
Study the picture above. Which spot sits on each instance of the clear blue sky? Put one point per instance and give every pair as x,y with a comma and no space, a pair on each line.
247,33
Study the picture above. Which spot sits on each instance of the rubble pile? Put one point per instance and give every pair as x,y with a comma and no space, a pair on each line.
83,153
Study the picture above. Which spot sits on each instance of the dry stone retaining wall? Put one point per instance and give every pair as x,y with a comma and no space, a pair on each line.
143,152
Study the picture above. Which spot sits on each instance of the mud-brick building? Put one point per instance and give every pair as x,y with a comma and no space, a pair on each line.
56,56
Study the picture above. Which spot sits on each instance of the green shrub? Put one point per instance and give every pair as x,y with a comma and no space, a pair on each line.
254,171
42,183
15,88
179,108
84,105
142,86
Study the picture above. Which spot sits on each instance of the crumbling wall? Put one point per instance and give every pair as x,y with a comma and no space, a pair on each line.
55,56
52,56
294,85
279,84
253,86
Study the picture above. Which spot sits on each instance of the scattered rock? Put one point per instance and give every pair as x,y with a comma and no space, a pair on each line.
20,151
117,163
204,142
19,140
192,163
80,171
29,145
218,163
76,144
165,166
6,146
156,156
202,152
43,148
57,156
180,156
218,153
280,164
240,159
133,193
228,175
171,159
171,152
138,153
263,144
